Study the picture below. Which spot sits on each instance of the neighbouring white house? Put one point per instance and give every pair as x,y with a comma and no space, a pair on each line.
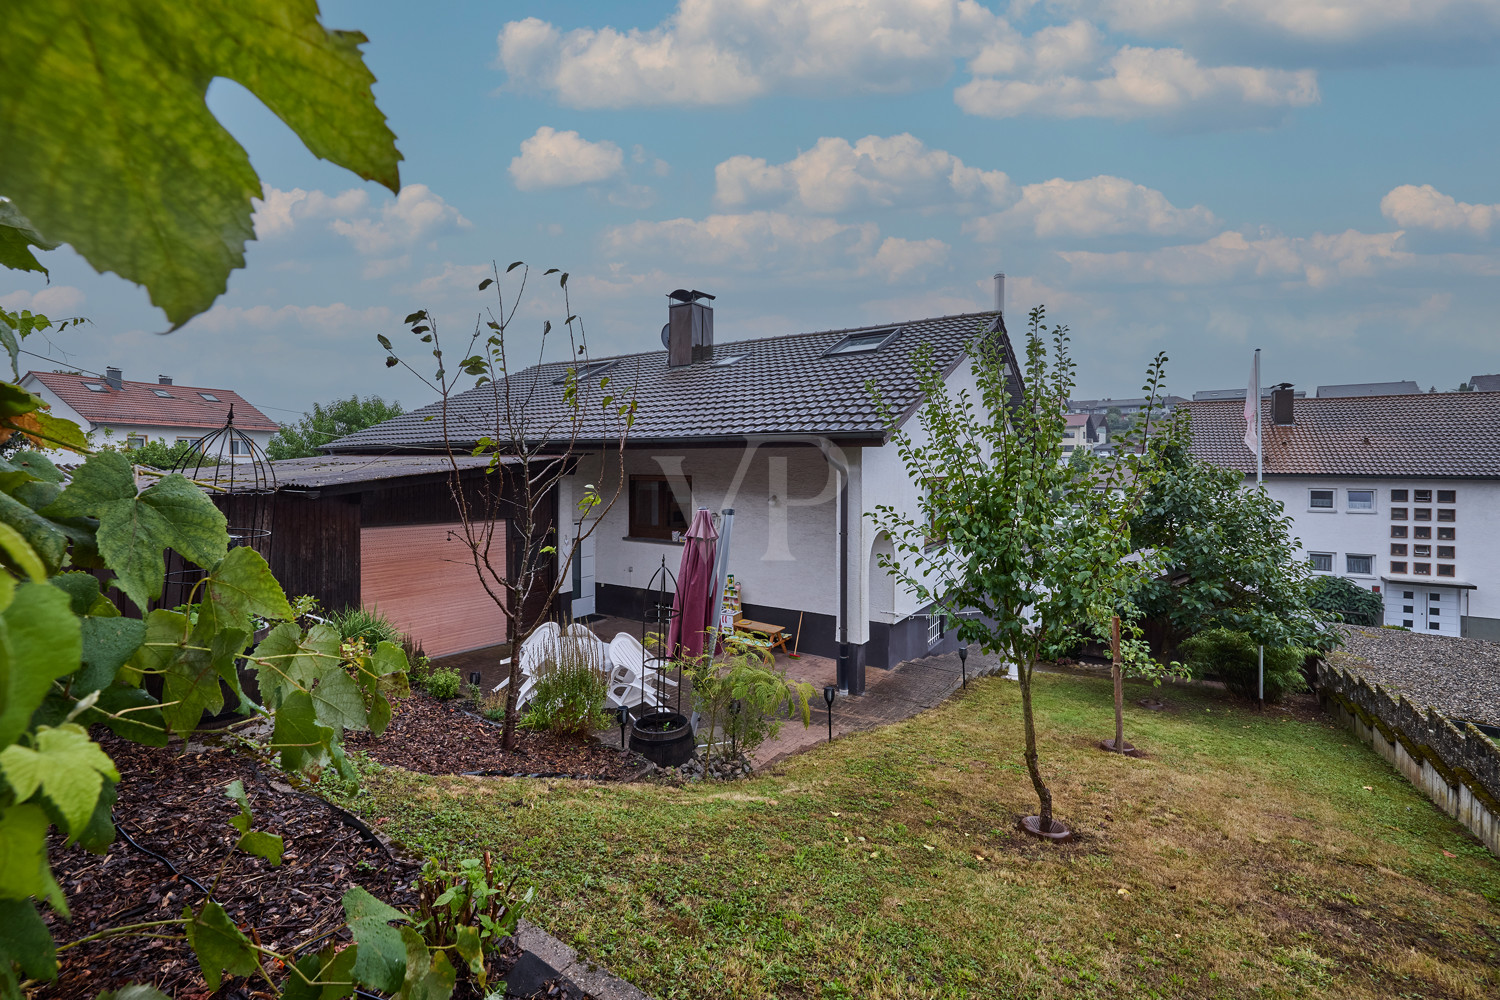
783,431
113,410
1397,493
1084,432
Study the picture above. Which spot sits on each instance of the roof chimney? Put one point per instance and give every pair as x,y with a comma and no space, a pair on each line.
163,380
689,333
1000,292
1281,404
113,377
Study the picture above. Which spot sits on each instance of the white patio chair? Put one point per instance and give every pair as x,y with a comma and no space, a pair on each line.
634,677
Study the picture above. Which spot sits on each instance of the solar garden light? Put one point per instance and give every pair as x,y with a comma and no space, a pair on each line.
828,695
623,714
963,661
475,677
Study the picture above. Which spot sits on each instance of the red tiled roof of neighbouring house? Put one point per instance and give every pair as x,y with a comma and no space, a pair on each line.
1447,434
1078,420
138,404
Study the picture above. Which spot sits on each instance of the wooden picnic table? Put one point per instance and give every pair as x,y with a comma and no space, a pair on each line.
775,634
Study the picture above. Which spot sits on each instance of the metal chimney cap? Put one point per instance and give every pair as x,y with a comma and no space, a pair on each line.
683,295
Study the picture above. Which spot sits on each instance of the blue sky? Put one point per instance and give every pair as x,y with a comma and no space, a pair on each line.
1313,177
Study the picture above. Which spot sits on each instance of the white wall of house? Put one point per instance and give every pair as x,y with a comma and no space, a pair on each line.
1343,531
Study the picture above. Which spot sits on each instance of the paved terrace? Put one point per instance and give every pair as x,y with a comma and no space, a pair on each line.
890,695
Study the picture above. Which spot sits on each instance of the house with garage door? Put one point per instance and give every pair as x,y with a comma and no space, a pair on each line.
1398,493
782,431
384,531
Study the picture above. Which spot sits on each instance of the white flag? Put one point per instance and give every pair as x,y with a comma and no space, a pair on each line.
1252,399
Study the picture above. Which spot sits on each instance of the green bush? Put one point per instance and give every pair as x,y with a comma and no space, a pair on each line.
741,703
443,683
1340,600
1231,657
570,690
367,624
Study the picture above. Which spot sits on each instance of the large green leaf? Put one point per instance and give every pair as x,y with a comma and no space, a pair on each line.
220,945
67,766
191,663
136,529
300,739
24,939
338,701
39,642
242,585
382,954
107,644
17,237
23,855
109,146
429,974
286,660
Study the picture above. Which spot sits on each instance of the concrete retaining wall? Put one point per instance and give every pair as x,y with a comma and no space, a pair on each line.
1459,770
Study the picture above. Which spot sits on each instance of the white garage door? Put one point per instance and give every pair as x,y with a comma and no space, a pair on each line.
1433,610
422,578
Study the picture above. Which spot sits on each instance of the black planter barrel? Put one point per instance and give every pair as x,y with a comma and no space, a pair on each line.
664,738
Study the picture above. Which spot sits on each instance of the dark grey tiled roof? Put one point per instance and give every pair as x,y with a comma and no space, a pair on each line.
778,386
1485,383
1445,434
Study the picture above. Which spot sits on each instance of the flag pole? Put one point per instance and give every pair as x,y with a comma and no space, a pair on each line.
1260,664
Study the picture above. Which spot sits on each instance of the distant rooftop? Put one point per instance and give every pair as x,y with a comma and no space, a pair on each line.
1485,383
1265,393
1368,389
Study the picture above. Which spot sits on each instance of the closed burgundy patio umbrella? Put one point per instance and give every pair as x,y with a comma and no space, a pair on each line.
692,605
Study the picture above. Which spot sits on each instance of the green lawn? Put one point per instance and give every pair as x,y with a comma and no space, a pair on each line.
1245,857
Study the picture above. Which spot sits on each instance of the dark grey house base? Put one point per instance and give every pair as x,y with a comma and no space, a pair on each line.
1471,627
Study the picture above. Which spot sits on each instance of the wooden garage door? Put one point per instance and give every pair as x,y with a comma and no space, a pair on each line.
421,577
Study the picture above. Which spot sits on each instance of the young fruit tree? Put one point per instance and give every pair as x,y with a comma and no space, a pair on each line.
531,425
1014,544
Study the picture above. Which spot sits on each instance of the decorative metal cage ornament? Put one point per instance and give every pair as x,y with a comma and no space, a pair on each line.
239,477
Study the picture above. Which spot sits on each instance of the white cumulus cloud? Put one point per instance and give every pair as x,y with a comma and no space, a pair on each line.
415,214
724,51
754,241
55,301
552,159
1098,206
836,176
1233,258
1140,82
1426,207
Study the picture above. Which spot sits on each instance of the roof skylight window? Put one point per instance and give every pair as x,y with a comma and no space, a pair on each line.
95,387
210,397
731,359
864,341
164,394
587,370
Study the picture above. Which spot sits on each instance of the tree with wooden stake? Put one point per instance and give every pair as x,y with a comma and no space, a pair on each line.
530,449
1004,527
1130,655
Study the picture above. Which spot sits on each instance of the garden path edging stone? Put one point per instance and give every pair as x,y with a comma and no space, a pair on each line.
594,979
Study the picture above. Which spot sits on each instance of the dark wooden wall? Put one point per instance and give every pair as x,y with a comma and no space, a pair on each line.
313,546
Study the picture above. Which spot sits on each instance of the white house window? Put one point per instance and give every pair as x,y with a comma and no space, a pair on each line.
1361,500
1321,562
135,441
1320,499
1358,565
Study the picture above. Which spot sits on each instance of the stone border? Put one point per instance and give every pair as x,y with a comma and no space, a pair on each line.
1458,769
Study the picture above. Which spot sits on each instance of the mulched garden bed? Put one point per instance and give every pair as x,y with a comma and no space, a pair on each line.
174,804
434,737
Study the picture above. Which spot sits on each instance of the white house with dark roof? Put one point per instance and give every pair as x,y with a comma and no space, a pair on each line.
1398,493
115,410
783,430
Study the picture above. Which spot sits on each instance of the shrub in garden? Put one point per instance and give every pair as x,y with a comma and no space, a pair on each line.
470,911
367,624
1341,600
741,703
443,683
570,690
1231,657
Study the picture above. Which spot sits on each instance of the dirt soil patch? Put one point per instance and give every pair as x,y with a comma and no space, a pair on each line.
173,803
432,737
